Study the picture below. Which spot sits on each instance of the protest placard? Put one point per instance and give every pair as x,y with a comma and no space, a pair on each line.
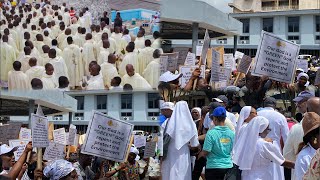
209,57
303,64
244,64
3,132
50,131
107,137
54,151
228,61
59,136
149,150
72,134
317,80
163,64
20,144
215,66
13,130
205,47
276,58
139,140
220,49
238,55
39,129
25,134
190,59
198,50
183,52
186,72
171,61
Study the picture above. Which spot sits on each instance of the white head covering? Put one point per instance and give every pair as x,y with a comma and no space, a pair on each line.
304,75
58,169
197,109
244,114
181,127
133,149
247,142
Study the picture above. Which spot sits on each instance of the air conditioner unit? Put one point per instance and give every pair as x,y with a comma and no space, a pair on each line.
126,118
57,118
294,41
221,41
154,118
243,42
77,118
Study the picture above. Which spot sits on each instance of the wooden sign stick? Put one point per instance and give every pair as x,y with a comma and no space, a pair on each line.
236,81
128,151
39,160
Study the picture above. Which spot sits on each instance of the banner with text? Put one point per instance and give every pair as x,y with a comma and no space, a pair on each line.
186,72
39,129
21,144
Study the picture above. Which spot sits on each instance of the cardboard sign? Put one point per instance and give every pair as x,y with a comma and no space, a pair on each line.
215,66
172,61
186,72
228,61
220,49
244,64
317,80
21,144
25,134
59,136
39,131
303,64
107,137
149,150
205,47
163,64
54,151
199,50
276,58
139,140
190,59
50,131
183,52
13,130
72,135
209,57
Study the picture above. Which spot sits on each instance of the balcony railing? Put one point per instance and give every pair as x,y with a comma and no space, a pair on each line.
279,8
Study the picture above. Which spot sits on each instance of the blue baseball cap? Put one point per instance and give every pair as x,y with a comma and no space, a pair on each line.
219,112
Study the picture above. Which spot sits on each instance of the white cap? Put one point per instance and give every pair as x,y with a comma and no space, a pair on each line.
217,99
300,69
4,149
167,105
169,76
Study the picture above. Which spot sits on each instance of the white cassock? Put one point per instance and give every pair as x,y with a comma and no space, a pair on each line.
60,67
58,51
79,39
97,36
130,58
17,80
145,57
112,47
136,81
61,38
38,45
106,30
72,55
183,132
8,56
103,55
13,43
95,82
74,28
152,73
33,34
49,82
35,72
45,58
120,43
47,41
88,55
54,32
66,19
24,60
108,71
139,43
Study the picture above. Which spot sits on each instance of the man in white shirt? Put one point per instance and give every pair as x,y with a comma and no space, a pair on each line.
18,80
35,71
134,79
49,80
96,81
152,71
109,70
126,36
58,64
115,84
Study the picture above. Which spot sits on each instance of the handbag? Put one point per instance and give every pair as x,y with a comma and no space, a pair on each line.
233,173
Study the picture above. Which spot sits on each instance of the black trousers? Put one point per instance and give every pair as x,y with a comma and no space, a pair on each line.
198,166
216,174
287,174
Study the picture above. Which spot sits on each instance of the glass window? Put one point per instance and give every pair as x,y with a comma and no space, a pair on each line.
293,24
317,38
101,102
80,104
126,114
126,101
150,114
267,24
317,23
246,25
293,38
244,38
153,100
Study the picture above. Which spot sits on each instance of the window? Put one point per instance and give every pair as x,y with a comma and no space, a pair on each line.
101,102
293,38
246,38
126,101
58,118
78,116
317,23
124,114
246,25
293,24
318,38
153,114
267,24
80,104
153,100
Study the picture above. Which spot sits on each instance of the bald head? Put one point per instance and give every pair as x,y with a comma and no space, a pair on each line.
112,58
313,105
130,70
32,62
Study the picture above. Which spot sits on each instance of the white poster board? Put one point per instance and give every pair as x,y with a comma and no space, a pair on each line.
54,151
198,50
149,150
206,44
172,61
25,134
39,129
244,64
238,55
72,135
303,64
21,144
215,66
276,58
139,140
190,59
59,136
163,64
107,137
183,52
186,72
228,61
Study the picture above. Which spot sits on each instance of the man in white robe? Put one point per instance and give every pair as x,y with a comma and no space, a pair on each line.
126,36
183,133
38,44
120,43
18,80
66,17
45,54
145,56
24,59
112,47
49,80
58,64
55,47
11,41
104,52
108,69
130,58
64,42
8,56
80,37
35,71
139,41
46,39
157,41
96,81
134,79
152,71
88,52
72,55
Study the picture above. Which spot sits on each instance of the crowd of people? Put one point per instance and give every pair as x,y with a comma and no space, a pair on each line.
49,47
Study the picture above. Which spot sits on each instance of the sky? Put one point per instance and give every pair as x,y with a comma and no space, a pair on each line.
223,5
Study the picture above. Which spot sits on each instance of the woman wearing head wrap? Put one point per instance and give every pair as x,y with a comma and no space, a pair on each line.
60,169
254,155
307,149
247,113
196,114
183,133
